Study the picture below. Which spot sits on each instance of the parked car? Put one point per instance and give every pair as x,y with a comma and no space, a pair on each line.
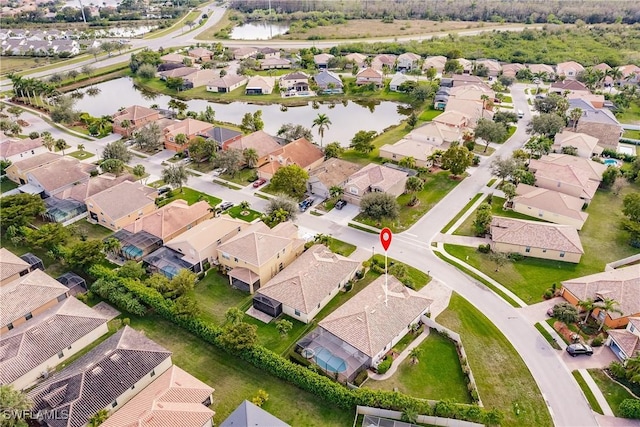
218,172
305,204
550,312
164,189
259,182
579,348
340,204
225,205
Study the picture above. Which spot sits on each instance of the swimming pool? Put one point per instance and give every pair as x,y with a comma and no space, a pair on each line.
328,361
611,162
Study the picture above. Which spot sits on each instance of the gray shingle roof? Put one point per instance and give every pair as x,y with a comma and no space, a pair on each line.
250,415
95,380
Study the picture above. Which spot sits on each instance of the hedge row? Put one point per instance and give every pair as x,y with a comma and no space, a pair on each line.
307,379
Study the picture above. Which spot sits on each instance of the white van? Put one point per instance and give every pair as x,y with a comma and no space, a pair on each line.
520,114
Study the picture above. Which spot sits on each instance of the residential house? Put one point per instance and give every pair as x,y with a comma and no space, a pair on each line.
174,58
441,97
397,80
356,59
70,47
372,178
536,239
467,79
621,285
436,62
322,60
244,52
269,52
28,296
454,120
178,72
375,319
106,378
630,74
511,70
469,109
121,205
15,149
436,134
17,172
328,82
200,78
55,177
568,87
544,69
260,141
493,67
331,173
549,205
567,174
604,67
12,267
296,82
33,348
418,150
408,61
384,62
596,100
226,84
94,185
568,70
274,63
467,66
471,92
599,123
586,146
221,136
258,253
130,119
369,76
249,414
306,285
200,54
625,343
189,127
300,152
199,245
175,398
260,85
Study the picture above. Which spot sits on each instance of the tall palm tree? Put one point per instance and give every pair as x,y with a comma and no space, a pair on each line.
251,157
112,246
414,355
412,186
47,140
574,116
539,77
60,145
587,305
336,191
323,122
616,74
81,147
607,305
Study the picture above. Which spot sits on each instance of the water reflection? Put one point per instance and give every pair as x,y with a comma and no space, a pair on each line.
259,30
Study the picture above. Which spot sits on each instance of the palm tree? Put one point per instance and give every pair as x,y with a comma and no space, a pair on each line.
587,305
484,99
336,191
112,246
139,171
60,145
574,116
616,74
323,122
181,139
81,147
98,418
14,402
414,355
435,157
251,157
408,162
412,186
606,306
47,140
126,124
538,77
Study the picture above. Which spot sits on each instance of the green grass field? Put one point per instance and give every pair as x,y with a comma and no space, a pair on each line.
81,154
191,196
587,392
7,185
502,377
237,212
612,391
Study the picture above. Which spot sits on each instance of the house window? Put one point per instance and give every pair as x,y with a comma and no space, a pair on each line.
353,190
528,249
225,256
133,386
631,328
544,251
62,297
10,326
114,404
153,373
561,254
281,266
235,259
61,355
90,205
219,241
28,316
297,312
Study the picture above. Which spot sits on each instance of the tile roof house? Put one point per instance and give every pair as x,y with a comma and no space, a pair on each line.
510,70
369,75
260,141
180,72
436,62
53,336
226,84
300,152
598,122
408,61
384,60
542,68
625,343
200,78
620,284
121,205
94,185
455,119
133,118
274,63
17,172
175,398
322,60
474,110
258,253
173,58
374,177
189,127
406,147
494,68
328,82
296,81
331,173
221,136
357,59
549,205
106,377
437,133
467,68
572,86
54,178
199,245
397,80
269,52
536,239
15,149
587,146
11,266
466,79
630,74
244,52
200,54
306,285
248,414
27,296
471,92
596,100
375,319
260,85
568,70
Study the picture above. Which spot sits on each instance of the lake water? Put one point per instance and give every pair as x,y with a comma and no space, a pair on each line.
346,120
259,30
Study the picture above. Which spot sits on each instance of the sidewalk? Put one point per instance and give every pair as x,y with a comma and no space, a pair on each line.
473,242
606,409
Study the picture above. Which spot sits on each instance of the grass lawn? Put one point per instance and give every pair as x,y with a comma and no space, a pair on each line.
243,177
587,392
630,115
15,64
6,185
479,149
191,196
215,296
633,134
269,337
81,154
236,212
612,391
510,131
436,186
437,375
340,247
430,114
390,136
235,380
502,377
507,99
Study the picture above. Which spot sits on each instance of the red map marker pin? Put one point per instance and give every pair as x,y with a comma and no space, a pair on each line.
385,238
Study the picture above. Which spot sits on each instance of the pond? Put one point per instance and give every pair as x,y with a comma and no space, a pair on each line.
346,120
259,30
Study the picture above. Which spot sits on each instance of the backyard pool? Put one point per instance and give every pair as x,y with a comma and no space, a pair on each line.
611,162
327,361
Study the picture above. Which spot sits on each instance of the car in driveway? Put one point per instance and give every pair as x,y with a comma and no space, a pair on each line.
218,172
340,204
305,204
259,182
225,205
578,349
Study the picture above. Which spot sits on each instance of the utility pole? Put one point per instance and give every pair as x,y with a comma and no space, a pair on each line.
84,18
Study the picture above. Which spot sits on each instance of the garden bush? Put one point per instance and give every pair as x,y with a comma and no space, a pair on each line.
484,249
385,365
630,408
597,341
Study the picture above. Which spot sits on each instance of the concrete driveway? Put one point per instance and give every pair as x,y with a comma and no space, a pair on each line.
602,357
344,215
538,312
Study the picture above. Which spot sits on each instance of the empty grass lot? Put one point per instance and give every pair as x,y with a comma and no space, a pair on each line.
437,375
81,154
612,391
237,212
502,377
466,228
191,196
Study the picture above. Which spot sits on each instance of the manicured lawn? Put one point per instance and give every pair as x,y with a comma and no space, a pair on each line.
243,177
235,380
269,337
507,99
81,154
502,377
587,392
340,247
15,64
390,136
7,185
236,212
435,188
430,114
215,296
191,196
510,131
612,391
437,375
633,134
630,115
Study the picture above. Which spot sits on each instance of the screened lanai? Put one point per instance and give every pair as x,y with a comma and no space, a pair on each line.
168,262
136,245
62,210
75,283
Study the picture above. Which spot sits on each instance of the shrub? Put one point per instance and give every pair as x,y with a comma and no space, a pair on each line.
564,311
361,377
630,408
597,341
484,249
515,256
384,366
548,294
34,135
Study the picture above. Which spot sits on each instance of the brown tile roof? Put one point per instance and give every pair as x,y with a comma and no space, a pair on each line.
11,147
568,174
274,62
563,67
10,264
66,171
569,85
262,82
301,152
453,118
173,57
202,75
32,343
470,108
174,399
579,140
322,58
434,62
260,141
200,51
94,185
628,342
602,67
27,293
36,161
552,201
419,150
433,130
378,176
124,199
188,127
170,218
519,232
594,170
369,73
208,232
308,280
134,112
408,56
334,172
178,72
541,68
227,81
370,320
621,284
